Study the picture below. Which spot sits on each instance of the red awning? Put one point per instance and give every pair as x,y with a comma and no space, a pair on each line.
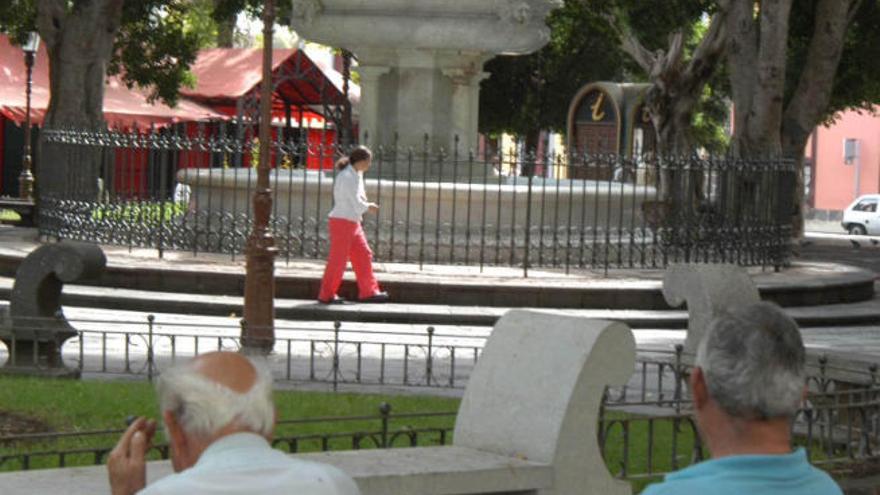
225,75
123,107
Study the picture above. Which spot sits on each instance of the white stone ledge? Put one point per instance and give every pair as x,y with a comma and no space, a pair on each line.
422,470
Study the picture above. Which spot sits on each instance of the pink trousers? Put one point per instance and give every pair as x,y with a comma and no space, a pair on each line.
347,241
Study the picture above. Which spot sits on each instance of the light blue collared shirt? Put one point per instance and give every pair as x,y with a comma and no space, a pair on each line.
787,474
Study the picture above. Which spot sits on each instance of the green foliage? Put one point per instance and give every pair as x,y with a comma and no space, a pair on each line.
144,212
528,93
857,83
156,47
156,43
17,18
9,216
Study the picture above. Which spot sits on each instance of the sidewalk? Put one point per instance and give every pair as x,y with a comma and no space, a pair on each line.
453,285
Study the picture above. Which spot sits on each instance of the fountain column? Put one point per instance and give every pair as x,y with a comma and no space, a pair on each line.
465,115
421,61
370,82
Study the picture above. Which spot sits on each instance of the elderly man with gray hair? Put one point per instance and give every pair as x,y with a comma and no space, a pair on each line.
218,416
747,386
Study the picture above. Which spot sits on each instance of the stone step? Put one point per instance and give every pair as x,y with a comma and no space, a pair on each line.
851,314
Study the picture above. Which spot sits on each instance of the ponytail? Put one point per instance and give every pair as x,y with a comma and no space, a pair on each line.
343,162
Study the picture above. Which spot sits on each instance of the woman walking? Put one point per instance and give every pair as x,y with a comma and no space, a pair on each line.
347,239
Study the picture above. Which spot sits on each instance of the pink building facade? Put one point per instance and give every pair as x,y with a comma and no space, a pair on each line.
846,158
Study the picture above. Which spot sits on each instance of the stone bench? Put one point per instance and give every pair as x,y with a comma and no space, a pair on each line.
527,423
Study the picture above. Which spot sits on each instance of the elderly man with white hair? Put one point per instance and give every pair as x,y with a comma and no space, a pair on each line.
219,417
747,386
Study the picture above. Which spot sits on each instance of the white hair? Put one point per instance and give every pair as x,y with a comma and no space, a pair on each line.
753,359
203,407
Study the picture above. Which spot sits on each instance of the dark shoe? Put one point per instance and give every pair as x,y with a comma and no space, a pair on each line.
335,300
379,297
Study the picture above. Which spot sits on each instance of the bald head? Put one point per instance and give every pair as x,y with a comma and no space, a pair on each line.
229,369
218,391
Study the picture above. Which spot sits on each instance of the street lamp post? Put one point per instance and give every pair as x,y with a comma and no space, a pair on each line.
258,332
26,179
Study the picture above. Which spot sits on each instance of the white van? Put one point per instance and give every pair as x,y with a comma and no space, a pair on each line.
863,216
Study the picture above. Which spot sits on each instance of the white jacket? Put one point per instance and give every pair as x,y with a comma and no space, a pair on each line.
349,196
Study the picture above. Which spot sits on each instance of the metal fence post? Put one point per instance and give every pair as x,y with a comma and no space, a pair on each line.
150,319
385,413
336,326
528,226
429,359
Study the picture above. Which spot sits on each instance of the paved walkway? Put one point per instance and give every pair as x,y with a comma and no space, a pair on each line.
806,283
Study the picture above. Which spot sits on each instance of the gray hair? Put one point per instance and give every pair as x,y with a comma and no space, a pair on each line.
203,407
753,359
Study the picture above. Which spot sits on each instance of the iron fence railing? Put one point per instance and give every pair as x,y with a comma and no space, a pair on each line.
172,191
382,430
336,354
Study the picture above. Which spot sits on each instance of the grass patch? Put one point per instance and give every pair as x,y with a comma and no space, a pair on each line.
98,405
141,212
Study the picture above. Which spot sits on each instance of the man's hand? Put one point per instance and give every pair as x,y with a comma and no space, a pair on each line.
126,464
374,208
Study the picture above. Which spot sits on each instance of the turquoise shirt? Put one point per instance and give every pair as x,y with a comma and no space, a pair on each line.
789,474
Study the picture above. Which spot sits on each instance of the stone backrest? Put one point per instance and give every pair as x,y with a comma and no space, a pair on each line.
708,289
537,391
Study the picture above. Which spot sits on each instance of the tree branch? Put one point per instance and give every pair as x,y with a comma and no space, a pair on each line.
816,82
629,41
51,17
854,8
711,47
742,55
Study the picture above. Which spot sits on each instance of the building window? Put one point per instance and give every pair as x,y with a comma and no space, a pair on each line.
850,151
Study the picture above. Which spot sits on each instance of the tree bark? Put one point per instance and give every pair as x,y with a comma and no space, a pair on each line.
758,55
757,65
79,41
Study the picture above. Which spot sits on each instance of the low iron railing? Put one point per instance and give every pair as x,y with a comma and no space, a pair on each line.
171,191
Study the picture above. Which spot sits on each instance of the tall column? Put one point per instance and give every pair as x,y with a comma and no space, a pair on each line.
465,108
370,129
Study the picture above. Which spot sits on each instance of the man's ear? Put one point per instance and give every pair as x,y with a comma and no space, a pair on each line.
177,440
699,389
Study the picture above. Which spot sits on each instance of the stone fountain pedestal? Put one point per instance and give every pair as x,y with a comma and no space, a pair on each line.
421,61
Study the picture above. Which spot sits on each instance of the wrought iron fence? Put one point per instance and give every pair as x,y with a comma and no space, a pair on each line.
170,190
336,354
382,430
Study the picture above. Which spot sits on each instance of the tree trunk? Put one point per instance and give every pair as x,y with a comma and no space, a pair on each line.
757,66
225,31
676,87
79,41
813,94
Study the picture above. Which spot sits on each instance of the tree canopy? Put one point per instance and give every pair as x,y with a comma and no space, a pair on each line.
154,46
524,94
